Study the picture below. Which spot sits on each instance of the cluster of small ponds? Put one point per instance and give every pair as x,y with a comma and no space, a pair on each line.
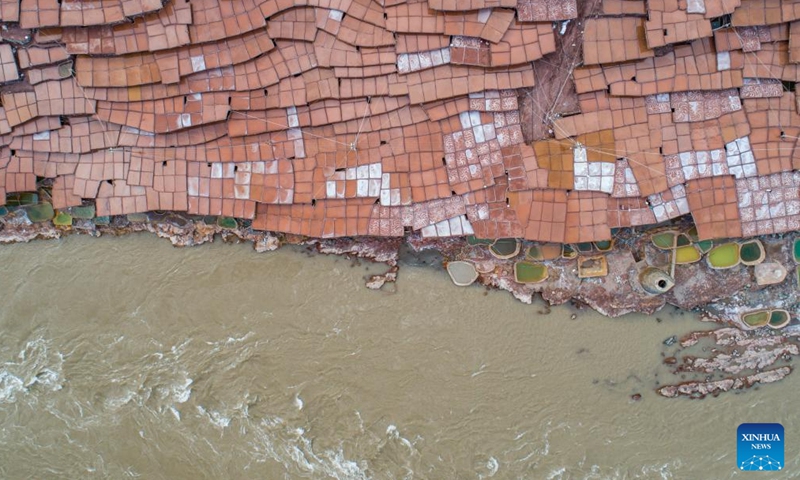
687,248
684,247
530,269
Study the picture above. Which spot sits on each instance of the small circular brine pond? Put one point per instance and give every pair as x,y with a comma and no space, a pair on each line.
751,252
779,318
462,273
796,251
227,222
527,272
687,254
756,319
724,256
505,247
604,245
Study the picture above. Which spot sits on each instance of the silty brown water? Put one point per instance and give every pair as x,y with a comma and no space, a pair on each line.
128,358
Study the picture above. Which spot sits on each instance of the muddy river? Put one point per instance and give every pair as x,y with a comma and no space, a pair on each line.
128,358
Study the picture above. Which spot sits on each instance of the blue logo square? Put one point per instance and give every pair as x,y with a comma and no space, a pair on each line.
759,447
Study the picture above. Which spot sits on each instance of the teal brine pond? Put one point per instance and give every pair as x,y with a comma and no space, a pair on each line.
796,250
505,248
604,246
779,318
682,240
227,222
751,252
705,245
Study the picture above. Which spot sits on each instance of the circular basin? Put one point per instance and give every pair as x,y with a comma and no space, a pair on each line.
724,256
796,250
687,254
226,222
751,252
527,272
604,246
769,273
462,273
756,319
504,248
779,318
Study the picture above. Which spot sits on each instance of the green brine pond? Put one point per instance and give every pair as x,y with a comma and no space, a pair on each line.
724,256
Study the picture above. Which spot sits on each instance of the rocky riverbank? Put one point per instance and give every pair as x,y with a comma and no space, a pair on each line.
739,358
